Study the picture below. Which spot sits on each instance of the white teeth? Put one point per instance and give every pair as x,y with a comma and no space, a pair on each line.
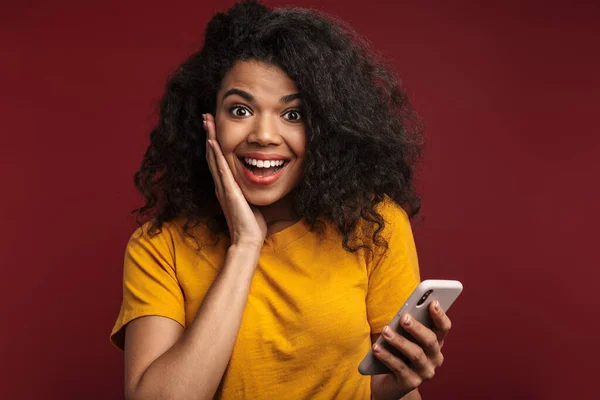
264,163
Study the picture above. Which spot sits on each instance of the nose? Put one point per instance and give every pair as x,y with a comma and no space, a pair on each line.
265,131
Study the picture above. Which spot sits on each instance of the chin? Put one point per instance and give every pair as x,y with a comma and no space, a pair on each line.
262,200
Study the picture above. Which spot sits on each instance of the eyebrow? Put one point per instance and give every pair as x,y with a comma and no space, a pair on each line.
248,97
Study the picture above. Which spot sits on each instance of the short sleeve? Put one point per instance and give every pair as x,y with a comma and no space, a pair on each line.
150,285
395,273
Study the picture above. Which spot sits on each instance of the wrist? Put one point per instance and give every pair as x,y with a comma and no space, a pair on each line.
246,247
385,387
247,252
248,244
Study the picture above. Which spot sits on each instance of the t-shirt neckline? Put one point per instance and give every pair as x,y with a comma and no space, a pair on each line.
285,237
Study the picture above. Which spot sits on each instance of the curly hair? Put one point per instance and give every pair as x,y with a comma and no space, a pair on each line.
363,138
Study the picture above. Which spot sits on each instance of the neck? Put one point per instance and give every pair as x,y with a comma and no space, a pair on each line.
280,211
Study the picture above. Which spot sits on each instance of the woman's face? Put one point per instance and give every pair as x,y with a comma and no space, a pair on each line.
260,129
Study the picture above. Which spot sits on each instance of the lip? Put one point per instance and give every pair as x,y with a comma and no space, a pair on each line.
263,156
263,180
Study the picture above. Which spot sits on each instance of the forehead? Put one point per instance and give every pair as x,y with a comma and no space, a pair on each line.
260,79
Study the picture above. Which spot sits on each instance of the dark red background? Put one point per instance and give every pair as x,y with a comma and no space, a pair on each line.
509,93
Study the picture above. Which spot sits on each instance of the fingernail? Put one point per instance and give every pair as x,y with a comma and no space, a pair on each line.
407,320
376,348
436,306
387,332
204,117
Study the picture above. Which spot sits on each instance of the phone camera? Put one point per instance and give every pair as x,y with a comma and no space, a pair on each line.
424,297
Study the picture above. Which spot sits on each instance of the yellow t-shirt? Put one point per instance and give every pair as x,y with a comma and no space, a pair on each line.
311,309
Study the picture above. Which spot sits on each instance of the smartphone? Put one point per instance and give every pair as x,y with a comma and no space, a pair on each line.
417,305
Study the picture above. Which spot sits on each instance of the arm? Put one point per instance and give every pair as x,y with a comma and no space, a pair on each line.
394,274
164,361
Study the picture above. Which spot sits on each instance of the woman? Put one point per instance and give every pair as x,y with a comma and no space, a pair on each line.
278,249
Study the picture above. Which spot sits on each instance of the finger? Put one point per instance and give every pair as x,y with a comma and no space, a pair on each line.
402,371
212,165
415,354
229,183
426,338
210,131
442,323
214,171
217,169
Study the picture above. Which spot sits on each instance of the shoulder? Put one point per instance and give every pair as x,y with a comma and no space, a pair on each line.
172,235
390,208
396,230
395,217
399,255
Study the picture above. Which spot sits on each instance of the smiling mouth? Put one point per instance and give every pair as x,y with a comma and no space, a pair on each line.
263,170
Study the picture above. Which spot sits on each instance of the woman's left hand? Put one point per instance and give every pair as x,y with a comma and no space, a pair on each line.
425,355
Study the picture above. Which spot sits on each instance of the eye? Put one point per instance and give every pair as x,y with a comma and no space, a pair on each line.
240,111
293,115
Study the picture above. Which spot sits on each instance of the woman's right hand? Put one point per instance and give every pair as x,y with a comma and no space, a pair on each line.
246,224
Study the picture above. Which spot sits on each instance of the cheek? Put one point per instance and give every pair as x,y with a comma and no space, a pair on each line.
226,136
297,144
227,145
